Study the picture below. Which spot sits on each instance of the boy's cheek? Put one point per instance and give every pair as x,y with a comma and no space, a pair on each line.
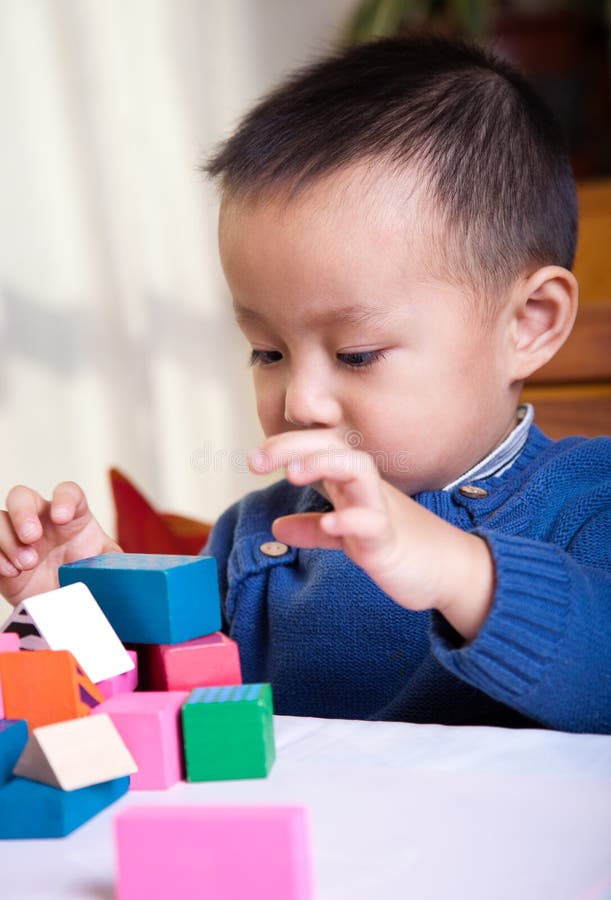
272,425
270,411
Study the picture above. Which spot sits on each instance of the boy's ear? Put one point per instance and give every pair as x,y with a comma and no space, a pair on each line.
543,315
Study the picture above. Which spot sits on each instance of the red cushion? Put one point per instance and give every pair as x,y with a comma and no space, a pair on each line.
140,528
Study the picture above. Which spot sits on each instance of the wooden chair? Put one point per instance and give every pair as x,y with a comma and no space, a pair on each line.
572,393
141,528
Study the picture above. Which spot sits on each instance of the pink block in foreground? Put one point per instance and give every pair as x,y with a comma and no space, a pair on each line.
9,643
216,852
121,684
208,661
149,723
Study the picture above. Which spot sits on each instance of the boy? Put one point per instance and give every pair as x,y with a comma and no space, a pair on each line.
397,228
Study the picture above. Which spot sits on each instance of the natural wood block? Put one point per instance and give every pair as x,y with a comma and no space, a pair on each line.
152,598
75,754
217,852
70,619
45,686
203,662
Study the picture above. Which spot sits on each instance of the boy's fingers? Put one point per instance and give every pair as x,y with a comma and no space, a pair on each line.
352,472
24,507
345,465
6,567
17,554
303,530
280,449
328,530
67,503
365,524
339,459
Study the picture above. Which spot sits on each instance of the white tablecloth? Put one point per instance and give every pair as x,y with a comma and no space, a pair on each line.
423,812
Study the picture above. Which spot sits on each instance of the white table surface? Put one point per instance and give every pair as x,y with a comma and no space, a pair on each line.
396,811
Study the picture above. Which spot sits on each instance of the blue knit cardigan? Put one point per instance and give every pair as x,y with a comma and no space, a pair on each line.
332,644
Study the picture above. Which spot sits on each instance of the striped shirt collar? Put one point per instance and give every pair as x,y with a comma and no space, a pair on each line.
503,456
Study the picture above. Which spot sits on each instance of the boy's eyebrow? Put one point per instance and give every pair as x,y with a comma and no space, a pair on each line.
352,314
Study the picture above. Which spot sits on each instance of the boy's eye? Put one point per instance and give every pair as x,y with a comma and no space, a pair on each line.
360,360
264,357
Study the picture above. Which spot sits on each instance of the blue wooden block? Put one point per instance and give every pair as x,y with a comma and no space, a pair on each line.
13,738
29,809
152,598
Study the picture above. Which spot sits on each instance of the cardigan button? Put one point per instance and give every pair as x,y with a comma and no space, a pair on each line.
274,548
473,491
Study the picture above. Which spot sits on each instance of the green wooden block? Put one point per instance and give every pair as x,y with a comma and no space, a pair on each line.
229,732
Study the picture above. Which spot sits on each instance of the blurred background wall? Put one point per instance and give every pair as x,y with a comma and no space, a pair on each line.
117,345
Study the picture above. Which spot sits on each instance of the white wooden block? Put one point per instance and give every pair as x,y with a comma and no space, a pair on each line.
70,619
75,753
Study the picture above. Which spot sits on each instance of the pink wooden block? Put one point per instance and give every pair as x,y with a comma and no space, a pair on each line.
204,662
121,684
217,852
149,723
9,643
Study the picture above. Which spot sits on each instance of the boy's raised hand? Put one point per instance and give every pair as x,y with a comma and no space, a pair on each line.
37,536
415,557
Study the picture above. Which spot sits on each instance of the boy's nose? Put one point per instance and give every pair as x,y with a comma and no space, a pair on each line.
309,403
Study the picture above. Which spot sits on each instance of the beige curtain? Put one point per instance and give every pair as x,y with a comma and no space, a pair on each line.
117,345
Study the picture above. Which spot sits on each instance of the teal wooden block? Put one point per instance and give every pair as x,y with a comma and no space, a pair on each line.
228,732
152,598
29,809
13,738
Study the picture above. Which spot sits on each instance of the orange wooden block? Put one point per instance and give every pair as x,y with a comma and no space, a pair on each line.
45,686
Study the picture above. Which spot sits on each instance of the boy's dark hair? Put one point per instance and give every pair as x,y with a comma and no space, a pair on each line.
493,160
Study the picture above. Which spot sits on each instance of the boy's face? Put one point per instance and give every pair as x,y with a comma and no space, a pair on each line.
351,329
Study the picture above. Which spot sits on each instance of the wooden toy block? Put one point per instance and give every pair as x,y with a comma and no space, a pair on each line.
203,662
217,852
9,643
152,598
21,624
13,738
75,754
45,686
29,809
121,684
229,732
149,723
70,619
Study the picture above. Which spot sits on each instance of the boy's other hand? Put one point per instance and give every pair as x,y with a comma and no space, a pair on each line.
417,558
37,536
